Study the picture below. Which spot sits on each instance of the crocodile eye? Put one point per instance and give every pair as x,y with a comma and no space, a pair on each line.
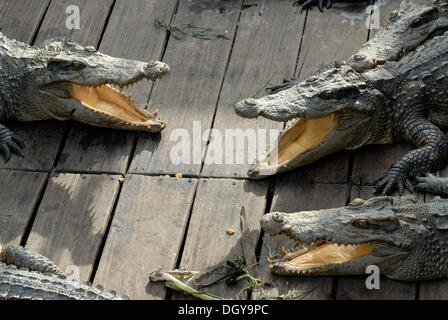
425,17
57,65
326,95
77,65
361,223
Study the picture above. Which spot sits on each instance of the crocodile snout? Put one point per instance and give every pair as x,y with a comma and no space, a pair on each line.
248,108
157,69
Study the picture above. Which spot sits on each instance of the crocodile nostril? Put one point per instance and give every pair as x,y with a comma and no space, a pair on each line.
277,218
165,68
250,102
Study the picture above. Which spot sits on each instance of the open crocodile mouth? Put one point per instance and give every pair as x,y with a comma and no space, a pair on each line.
110,101
303,135
319,256
104,103
302,142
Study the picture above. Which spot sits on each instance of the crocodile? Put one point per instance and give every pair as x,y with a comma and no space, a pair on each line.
349,104
403,236
26,275
63,80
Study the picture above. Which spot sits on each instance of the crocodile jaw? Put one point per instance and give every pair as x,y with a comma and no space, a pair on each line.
342,241
105,104
304,141
326,258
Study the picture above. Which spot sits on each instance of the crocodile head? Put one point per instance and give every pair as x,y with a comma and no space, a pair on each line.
69,82
332,110
401,236
414,23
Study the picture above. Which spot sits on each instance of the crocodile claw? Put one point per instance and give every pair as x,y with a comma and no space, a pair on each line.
391,179
9,142
309,3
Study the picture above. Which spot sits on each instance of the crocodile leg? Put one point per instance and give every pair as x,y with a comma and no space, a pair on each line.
9,142
433,184
431,156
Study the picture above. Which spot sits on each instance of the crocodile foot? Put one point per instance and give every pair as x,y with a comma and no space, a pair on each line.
309,3
433,184
9,142
391,179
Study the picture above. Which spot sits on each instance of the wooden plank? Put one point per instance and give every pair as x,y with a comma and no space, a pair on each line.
93,16
265,50
96,150
354,287
19,194
217,207
43,138
433,290
370,162
146,234
42,141
130,34
329,37
190,93
20,19
290,197
72,219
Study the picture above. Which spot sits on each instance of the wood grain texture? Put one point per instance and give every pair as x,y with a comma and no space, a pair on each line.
130,34
265,51
329,37
19,194
290,197
190,93
146,234
217,207
72,219
354,287
370,162
20,19
93,15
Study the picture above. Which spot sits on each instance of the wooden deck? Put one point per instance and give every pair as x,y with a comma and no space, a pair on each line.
65,199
